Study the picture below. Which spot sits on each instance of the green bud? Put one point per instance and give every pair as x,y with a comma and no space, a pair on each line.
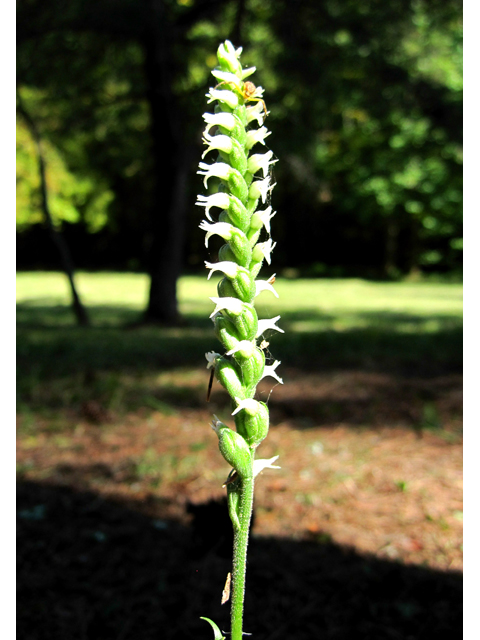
226,332
237,157
234,449
252,368
252,422
228,374
238,133
228,58
240,249
242,286
236,214
246,323
237,185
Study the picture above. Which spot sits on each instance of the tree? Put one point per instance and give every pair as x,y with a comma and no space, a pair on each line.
65,257
150,26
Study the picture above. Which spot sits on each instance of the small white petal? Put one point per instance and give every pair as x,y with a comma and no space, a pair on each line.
219,199
219,170
248,404
257,112
260,218
230,269
265,285
227,77
258,93
223,229
270,371
260,161
211,356
263,325
219,142
245,346
264,248
257,135
233,305
260,189
261,464
229,97
225,120
248,72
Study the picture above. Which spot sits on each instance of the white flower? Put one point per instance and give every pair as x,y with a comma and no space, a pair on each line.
245,347
225,120
263,325
260,218
263,250
257,135
223,229
257,112
269,370
227,77
233,305
248,72
261,464
211,356
260,161
219,142
228,97
230,269
265,285
250,406
219,199
219,169
259,189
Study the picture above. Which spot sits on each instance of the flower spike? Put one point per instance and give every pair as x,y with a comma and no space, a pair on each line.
233,127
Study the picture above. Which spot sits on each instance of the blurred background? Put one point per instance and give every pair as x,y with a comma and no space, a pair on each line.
122,529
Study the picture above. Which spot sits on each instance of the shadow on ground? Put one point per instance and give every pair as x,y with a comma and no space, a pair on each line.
90,568
375,340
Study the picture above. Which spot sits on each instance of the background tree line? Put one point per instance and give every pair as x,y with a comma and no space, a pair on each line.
365,102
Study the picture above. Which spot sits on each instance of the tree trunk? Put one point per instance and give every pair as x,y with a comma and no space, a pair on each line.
390,268
57,238
414,248
171,162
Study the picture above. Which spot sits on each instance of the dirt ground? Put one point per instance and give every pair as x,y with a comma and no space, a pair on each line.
123,531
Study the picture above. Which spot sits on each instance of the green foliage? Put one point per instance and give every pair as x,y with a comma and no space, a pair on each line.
72,197
371,89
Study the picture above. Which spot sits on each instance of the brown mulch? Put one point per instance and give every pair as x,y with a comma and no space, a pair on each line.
122,532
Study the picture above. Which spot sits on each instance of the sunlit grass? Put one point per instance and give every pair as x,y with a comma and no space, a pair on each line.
307,305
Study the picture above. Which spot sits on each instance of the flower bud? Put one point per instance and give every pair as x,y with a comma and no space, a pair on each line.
226,332
252,369
246,323
252,421
241,286
234,449
228,57
228,374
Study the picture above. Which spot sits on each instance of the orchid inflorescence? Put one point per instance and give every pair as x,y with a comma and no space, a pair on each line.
245,184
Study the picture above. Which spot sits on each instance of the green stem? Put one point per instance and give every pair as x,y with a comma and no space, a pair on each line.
240,544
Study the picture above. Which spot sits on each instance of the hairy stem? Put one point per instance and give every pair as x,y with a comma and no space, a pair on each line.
240,544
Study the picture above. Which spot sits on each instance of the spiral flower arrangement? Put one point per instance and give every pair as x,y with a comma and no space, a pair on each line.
245,185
